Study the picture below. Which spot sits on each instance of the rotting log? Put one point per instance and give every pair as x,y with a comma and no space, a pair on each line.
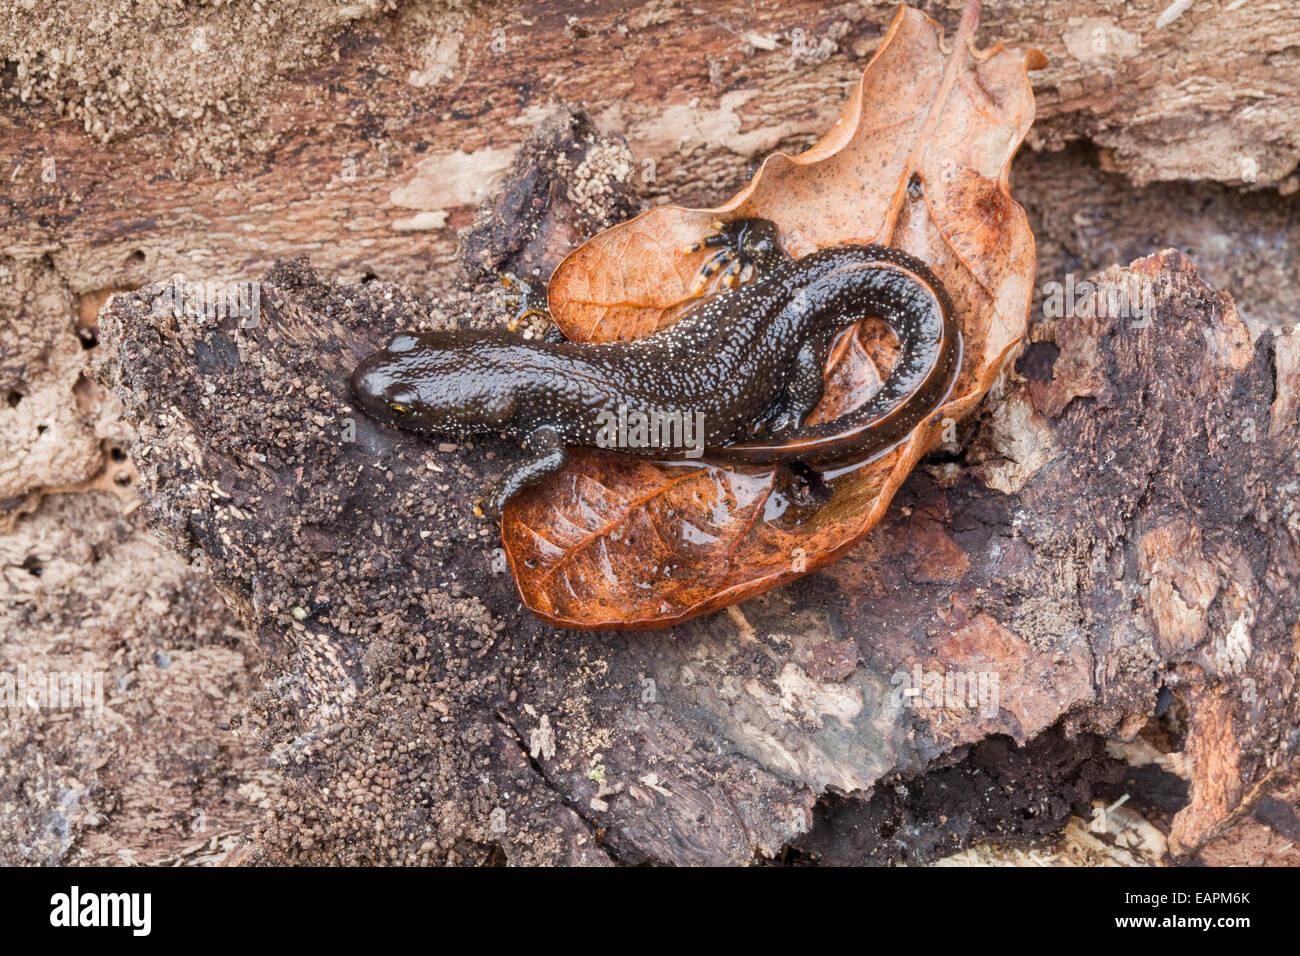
373,156
1120,535
367,144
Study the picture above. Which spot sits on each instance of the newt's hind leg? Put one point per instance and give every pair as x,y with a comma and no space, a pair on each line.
746,247
803,390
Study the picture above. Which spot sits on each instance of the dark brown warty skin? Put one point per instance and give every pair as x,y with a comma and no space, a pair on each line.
750,360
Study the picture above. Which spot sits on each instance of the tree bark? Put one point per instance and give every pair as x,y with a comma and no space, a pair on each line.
367,140
1123,524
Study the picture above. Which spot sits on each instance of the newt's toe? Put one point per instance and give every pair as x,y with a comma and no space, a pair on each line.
746,247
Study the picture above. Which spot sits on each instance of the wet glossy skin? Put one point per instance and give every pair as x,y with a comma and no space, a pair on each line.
749,360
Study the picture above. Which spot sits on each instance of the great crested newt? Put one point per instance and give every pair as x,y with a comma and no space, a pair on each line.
746,366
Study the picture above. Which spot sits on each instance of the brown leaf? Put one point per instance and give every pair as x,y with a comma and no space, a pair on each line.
917,160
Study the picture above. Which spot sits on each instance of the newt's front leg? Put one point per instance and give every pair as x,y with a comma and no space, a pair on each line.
548,456
525,297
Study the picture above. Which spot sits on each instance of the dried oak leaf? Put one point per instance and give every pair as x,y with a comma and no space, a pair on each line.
917,160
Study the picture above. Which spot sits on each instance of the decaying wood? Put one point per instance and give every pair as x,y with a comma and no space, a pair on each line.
371,154
371,162
1123,522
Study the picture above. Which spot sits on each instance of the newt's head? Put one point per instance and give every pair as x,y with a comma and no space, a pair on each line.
441,383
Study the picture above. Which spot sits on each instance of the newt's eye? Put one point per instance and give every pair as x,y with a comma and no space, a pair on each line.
398,410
